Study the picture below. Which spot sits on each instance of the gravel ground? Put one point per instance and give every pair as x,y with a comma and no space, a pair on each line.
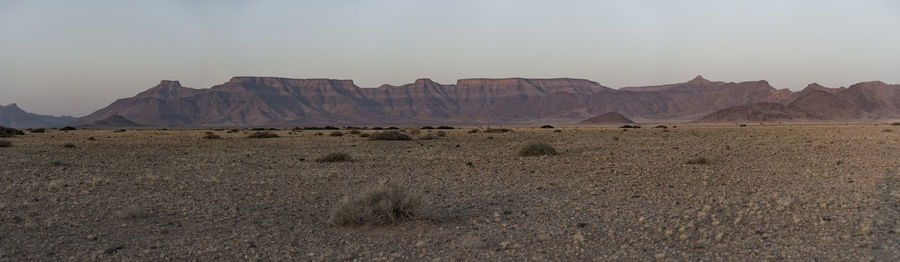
768,192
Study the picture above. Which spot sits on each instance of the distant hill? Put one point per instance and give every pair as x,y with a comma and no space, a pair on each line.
112,121
608,118
868,101
13,116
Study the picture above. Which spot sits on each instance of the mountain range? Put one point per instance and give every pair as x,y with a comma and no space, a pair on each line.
272,101
13,116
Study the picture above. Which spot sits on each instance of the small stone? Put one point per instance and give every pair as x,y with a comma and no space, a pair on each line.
579,239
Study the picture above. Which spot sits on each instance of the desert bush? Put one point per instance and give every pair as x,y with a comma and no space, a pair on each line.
887,130
211,135
5,143
334,157
389,135
257,129
377,128
473,131
630,126
382,205
661,126
427,127
440,133
537,149
336,133
68,128
392,128
37,130
364,135
697,161
743,125
895,124
428,137
262,134
233,131
547,126
444,127
119,131
318,134
557,131
497,130
354,132
91,139
10,132
353,128
69,145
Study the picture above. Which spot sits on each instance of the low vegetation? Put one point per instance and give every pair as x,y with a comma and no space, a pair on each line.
120,131
389,135
37,130
211,135
895,124
697,161
661,126
630,126
444,127
69,145
497,130
427,137
382,205
68,128
537,149
5,143
10,132
354,132
427,127
473,131
440,133
262,134
334,157
547,126
336,133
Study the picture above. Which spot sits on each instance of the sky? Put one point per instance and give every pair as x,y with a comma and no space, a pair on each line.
74,57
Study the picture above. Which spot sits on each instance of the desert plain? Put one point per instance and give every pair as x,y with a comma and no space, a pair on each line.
764,192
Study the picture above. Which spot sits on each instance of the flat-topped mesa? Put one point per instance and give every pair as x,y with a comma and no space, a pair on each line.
169,83
279,81
517,80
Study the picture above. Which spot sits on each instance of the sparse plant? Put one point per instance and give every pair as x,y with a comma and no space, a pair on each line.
377,128
557,131
661,126
895,124
497,130
318,134
91,139
630,126
547,126
428,137
354,132
887,130
336,133
697,161
444,127
5,143
38,130
743,125
119,131
233,131
211,135
427,127
392,128
262,134
69,145
389,135
382,205
440,133
10,132
334,157
414,132
473,131
537,149
364,135
68,128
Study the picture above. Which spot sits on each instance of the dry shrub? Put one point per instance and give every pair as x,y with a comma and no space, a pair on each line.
537,149
382,205
211,135
428,137
895,124
69,145
68,128
473,131
355,132
262,134
427,127
440,133
5,143
547,126
497,130
334,157
630,126
444,127
389,135
37,130
364,135
698,161
10,132
336,133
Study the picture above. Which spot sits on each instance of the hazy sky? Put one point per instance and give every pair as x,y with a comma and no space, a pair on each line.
73,57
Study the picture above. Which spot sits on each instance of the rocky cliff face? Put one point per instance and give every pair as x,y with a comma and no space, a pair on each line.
271,101
13,116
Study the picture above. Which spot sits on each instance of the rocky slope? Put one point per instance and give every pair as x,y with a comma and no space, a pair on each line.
270,101
13,116
608,118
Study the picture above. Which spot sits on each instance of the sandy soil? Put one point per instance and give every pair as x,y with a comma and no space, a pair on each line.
829,192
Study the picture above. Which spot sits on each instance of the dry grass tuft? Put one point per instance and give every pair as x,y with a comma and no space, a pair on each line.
5,143
383,205
262,134
335,157
440,133
389,135
10,132
336,133
69,145
211,135
698,161
537,149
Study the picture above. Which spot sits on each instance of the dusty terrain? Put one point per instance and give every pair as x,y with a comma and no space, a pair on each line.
828,192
